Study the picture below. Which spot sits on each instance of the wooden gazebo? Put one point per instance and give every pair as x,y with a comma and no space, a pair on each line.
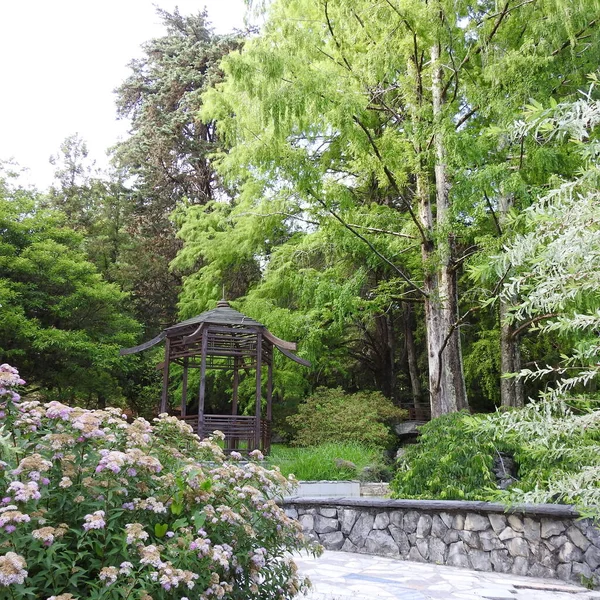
223,338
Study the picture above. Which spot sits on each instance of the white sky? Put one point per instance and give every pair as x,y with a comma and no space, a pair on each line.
60,62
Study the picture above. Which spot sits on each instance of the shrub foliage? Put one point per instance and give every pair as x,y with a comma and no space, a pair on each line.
331,415
95,507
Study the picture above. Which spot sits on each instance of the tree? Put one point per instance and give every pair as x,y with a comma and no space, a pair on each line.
61,322
166,157
339,98
556,262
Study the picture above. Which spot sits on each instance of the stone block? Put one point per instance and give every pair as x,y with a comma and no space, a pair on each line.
307,522
489,541
382,543
498,522
457,555
424,526
538,570
349,517
438,527
447,518
508,533
361,529
412,538
556,542
415,555
325,524
569,553
551,527
532,529
382,520
580,571
563,571
291,512
518,547
520,566
437,551
542,555
476,522
451,536
349,546
575,535
410,521
332,541
516,523
400,538
458,522
423,548
480,560
471,538
396,517
501,561
592,557
328,512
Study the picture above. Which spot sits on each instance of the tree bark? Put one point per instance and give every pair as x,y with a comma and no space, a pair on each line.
446,379
512,393
411,357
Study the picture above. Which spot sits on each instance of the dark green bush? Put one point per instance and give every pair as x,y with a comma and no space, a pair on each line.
332,415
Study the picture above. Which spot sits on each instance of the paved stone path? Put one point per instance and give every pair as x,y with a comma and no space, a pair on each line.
344,576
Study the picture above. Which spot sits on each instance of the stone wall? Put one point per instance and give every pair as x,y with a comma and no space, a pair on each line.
539,540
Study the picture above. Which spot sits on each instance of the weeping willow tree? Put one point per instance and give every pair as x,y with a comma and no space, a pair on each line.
366,108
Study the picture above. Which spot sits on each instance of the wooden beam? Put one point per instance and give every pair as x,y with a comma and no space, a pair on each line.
258,405
236,382
188,339
165,389
270,391
202,391
159,338
184,386
295,358
279,342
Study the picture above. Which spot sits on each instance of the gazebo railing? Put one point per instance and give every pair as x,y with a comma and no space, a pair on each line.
239,431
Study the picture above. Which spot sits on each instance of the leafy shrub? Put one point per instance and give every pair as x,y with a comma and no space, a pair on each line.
331,415
328,461
555,444
94,507
448,462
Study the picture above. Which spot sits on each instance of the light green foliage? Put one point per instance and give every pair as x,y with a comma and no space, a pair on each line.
450,461
332,415
556,262
102,508
555,447
60,319
327,461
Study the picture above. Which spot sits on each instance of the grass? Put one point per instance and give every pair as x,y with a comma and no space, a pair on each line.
319,462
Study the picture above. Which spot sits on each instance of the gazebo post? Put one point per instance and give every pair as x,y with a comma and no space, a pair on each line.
184,386
202,391
165,388
236,383
257,412
267,441
234,398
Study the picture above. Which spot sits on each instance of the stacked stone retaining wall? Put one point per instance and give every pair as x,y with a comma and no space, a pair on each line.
538,540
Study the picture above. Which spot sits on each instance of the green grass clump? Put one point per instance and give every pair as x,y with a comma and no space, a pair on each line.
317,463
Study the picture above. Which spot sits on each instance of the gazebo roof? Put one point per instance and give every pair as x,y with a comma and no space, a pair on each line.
222,315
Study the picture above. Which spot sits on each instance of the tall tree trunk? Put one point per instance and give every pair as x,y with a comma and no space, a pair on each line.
446,379
411,356
511,388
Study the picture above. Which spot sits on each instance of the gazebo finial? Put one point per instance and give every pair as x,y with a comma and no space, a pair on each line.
222,303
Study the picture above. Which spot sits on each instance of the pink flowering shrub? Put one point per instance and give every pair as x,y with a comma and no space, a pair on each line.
95,507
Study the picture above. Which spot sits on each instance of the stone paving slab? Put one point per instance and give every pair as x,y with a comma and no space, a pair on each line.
344,576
